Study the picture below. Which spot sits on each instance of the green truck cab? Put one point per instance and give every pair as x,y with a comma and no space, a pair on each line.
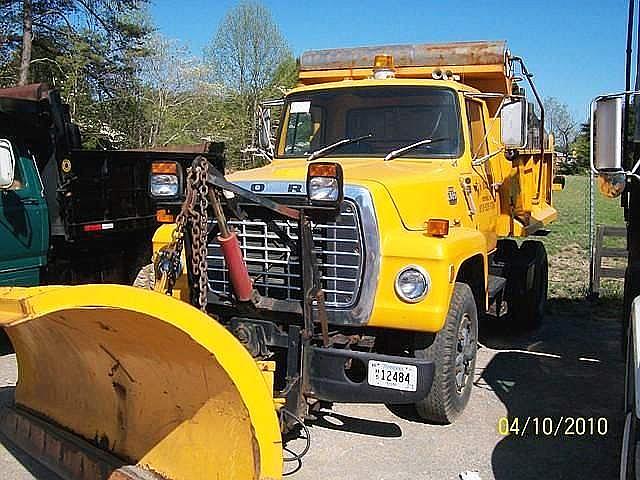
24,218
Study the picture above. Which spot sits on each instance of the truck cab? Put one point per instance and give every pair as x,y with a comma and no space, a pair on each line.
24,220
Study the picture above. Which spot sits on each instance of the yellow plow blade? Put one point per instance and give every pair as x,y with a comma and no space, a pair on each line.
144,376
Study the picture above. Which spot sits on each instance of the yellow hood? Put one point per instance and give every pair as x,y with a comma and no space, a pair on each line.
417,187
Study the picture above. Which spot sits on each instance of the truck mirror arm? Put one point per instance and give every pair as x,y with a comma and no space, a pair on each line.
529,77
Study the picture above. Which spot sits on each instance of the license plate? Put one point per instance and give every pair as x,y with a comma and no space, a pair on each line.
393,375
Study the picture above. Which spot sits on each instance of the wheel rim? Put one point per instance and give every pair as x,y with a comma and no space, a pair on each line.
464,353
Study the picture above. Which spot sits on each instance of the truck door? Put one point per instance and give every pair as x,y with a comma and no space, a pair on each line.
24,225
482,177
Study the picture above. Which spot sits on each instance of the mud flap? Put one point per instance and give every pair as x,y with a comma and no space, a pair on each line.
145,377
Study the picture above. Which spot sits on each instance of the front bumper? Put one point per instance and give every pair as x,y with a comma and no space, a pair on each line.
328,379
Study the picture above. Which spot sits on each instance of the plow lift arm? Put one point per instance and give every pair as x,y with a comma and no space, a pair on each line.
117,382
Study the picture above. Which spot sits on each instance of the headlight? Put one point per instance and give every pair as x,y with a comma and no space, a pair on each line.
165,179
412,284
325,184
163,185
323,189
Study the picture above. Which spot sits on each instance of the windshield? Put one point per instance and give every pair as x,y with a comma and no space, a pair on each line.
391,116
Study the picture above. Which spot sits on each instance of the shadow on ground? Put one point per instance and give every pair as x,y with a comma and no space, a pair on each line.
335,421
571,367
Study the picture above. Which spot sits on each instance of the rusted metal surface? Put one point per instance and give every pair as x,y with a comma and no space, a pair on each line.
205,147
417,55
64,454
35,91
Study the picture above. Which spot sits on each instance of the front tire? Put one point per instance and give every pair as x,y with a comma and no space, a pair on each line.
453,351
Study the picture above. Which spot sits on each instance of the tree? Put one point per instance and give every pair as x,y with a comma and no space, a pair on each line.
85,48
581,147
27,36
179,102
245,54
47,24
560,122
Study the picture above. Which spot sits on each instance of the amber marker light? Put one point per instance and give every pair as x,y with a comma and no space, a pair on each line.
164,167
383,61
438,227
323,170
163,216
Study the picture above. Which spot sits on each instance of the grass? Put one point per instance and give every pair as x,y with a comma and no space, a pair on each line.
568,242
572,226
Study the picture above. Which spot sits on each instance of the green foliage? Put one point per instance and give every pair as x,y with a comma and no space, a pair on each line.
580,151
250,58
87,50
128,86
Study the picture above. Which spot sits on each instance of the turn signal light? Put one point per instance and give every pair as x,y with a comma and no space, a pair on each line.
323,170
164,167
438,227
163,216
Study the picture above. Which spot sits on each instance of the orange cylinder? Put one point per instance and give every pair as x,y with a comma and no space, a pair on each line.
238,273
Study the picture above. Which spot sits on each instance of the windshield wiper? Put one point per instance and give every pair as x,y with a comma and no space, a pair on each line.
345,141
401,151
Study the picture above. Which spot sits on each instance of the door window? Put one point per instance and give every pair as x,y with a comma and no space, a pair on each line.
477,129
18,176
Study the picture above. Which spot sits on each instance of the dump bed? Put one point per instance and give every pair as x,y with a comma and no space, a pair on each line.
483,65
111,187
87,191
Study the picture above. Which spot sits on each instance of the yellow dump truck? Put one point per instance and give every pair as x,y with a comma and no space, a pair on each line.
354,267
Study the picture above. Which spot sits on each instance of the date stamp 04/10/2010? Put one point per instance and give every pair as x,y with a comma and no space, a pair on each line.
553,426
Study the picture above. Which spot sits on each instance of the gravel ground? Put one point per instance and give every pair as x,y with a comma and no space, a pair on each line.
571,367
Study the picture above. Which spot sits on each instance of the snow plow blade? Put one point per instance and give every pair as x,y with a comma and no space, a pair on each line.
146,378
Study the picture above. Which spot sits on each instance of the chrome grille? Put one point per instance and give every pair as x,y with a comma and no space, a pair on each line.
275,269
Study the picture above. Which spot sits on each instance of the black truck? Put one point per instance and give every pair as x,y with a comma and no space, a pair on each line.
70,215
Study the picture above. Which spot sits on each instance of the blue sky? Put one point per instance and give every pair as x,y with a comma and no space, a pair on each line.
575,48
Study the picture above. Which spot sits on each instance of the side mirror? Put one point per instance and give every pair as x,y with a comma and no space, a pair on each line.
7,164
513,123
264,131
606,134
606,144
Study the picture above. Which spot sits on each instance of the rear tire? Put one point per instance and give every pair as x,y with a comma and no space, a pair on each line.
453,351
527,299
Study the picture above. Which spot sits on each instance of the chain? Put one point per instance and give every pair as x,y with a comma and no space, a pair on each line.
194,215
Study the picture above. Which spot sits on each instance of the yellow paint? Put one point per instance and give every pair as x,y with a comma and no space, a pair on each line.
162,237
147,376
510,198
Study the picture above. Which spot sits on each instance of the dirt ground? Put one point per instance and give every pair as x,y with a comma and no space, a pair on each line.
570,367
